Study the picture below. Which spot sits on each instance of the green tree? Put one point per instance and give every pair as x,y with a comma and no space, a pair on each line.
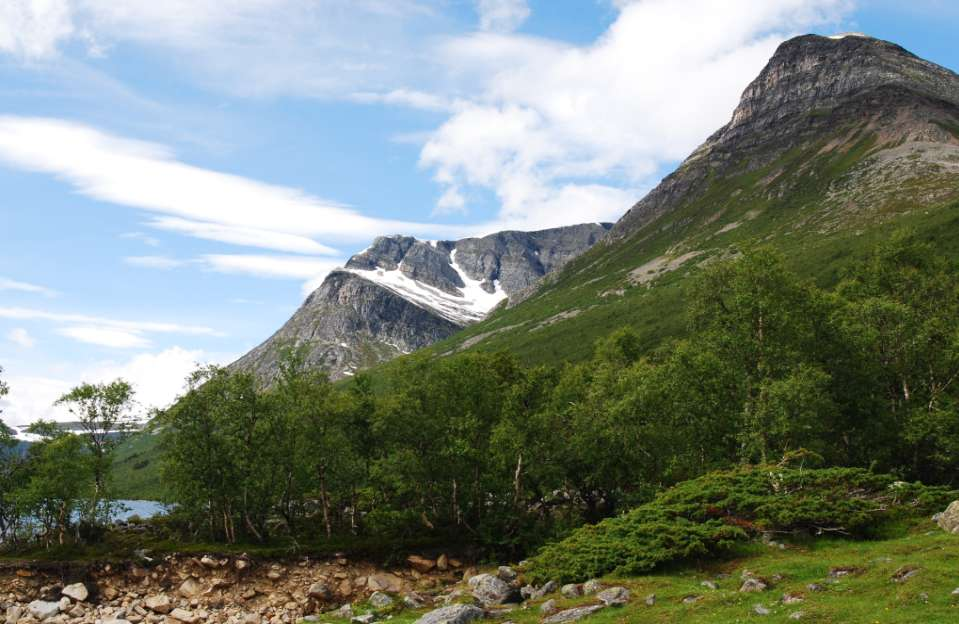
104,413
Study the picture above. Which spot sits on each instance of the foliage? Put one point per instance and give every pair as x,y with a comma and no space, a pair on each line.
711,514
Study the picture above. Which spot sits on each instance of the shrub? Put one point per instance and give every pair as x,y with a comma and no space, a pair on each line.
708,515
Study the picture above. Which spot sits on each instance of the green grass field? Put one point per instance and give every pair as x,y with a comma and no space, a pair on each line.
866,595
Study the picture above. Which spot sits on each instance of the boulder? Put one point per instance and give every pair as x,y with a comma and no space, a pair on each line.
548,608
571,590
613,596
319,591
43,609
190,588
948,520
453,614
420,564
442,563
367,618
379,600
158,604
77,592
572,615
506,573
591,587
490,590
384,582
752,584
182,615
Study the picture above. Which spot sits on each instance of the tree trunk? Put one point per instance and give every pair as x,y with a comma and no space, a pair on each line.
325,502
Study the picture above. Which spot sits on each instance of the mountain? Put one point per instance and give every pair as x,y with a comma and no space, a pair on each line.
838,142
402,294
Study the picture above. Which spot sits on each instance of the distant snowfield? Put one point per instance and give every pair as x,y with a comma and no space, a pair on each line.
472,305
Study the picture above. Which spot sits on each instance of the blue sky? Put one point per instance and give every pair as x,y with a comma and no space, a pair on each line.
177,174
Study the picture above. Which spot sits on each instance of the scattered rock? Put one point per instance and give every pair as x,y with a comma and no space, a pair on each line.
490,590
571,590
367,618
948,520
319,591
709,585
789,599
442,563
77,591
209,562
506,573
796,615
158,604
182,615
453,614
815,587
190,588
651,600
692,598
904,573
753,584
572,615
420,564
591,587
379,600
42,609
842,571
614,596
760,610
548,608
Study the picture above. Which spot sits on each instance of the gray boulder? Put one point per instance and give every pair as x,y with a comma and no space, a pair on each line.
548,607
571,590
42,609
490,590
591,587
453,614
948,520
379,600
613,596
77,592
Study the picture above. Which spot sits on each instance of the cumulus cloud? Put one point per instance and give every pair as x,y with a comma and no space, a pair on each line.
502,15
33,29
157,378
21,337
575,133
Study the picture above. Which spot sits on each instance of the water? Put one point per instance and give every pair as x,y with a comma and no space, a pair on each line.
142,508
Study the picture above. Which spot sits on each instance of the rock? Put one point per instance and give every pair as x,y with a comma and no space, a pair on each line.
182,615
548,588
367,618
43,609
789,599
709,585
353,310
345,588
815,587
76,591
209,562
453,614
650,600
571,590
955,592
346,611
592,586
506,573
14,613
614,596
572,615
190,588
413,600
442,563
948,520
241,564
904,573
753,584
692,598
490,590
64,604
796,615
420,564
319,591
379,600
158,604
384,582
760,610
548,608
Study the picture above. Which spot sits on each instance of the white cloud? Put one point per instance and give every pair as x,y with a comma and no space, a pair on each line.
314,270
157,378
106,337
146,239
95,321
502,15
192,200
572,133
21,337
9,284
32,29
155,262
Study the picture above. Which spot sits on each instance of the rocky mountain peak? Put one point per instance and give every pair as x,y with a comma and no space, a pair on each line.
401,294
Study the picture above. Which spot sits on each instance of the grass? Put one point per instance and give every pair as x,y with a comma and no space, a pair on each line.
867,596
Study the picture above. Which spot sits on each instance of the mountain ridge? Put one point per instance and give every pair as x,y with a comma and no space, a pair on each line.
401,294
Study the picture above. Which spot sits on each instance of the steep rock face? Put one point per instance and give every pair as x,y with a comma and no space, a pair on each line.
402,294
813,86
